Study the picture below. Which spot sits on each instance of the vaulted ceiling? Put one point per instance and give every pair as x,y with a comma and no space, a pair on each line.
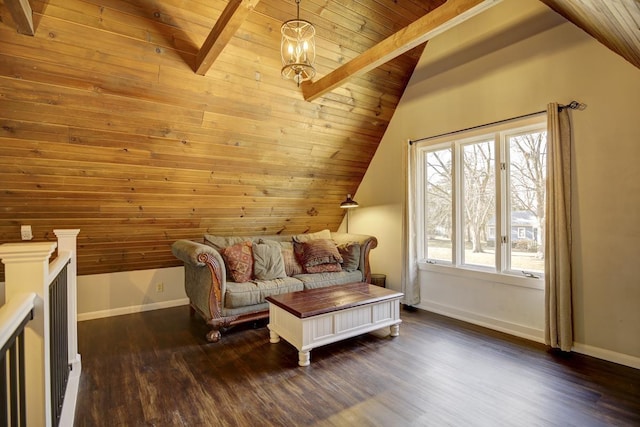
144,121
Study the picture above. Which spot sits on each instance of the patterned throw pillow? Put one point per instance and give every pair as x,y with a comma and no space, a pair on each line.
239,261
350,253
316,252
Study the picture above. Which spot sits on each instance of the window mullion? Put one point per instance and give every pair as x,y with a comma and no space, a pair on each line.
458,197
502,204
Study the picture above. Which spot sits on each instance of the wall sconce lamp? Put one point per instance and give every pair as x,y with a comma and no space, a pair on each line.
348,203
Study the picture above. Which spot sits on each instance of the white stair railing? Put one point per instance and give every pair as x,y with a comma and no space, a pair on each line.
28,270
14,317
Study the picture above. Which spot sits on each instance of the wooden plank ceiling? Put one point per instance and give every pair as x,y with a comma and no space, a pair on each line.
142,122
106,127
614,23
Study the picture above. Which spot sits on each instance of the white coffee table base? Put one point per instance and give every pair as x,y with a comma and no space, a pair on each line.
311,332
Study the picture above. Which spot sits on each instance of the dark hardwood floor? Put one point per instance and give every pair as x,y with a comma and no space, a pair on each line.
156,369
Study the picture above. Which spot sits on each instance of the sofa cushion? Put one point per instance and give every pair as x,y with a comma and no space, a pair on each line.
238,259
255,292
321,280
316,252
323,268
267,261
350,253
221,242
301,238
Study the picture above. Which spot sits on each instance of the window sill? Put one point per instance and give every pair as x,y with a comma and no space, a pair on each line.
489,276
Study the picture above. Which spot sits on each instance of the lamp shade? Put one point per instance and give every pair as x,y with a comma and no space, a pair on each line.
349,203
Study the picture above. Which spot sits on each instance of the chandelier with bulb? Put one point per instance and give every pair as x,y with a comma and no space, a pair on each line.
298,49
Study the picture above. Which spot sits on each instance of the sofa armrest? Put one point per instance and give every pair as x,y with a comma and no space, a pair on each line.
365,265
205,276
189,250
366,244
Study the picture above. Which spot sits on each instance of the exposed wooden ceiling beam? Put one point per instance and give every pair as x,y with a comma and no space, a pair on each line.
450,14
230,20
22,15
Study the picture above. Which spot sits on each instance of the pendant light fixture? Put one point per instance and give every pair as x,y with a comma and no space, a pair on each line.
298,49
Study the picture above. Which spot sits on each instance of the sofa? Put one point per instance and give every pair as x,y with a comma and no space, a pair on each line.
227,278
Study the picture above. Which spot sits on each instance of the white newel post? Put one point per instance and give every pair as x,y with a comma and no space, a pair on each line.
27,270
67,243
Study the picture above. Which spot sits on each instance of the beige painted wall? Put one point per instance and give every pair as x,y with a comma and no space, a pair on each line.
525,57
112,294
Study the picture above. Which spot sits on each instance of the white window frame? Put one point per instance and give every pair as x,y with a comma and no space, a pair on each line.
499,133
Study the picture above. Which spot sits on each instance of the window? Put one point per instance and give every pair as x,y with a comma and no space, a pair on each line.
439,204
478,202
481,195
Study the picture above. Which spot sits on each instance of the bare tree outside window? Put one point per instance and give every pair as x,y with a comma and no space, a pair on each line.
478,176
527,177
439,194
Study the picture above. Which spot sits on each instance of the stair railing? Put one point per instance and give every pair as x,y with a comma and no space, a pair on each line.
51,363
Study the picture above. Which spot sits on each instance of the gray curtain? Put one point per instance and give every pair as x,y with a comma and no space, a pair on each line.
410,282
558,305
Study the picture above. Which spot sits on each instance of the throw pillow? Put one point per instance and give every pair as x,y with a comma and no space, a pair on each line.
291,264
324,268
301,238
267,261
350,253
239,261
316,252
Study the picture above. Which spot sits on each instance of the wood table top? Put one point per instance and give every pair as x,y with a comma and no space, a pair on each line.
313,302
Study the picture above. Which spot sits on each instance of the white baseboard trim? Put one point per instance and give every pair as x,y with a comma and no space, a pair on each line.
527,333
518,330
608,355
131,309
68,414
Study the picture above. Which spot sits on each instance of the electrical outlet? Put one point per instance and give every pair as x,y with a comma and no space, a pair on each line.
160,287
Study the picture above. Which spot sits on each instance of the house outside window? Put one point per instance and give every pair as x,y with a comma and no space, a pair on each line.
481,198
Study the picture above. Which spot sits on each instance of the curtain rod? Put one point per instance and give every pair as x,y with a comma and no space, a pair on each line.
573,105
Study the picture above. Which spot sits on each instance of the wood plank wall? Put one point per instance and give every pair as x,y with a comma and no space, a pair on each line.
105,127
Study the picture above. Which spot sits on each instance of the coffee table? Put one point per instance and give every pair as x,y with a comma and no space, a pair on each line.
315,317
